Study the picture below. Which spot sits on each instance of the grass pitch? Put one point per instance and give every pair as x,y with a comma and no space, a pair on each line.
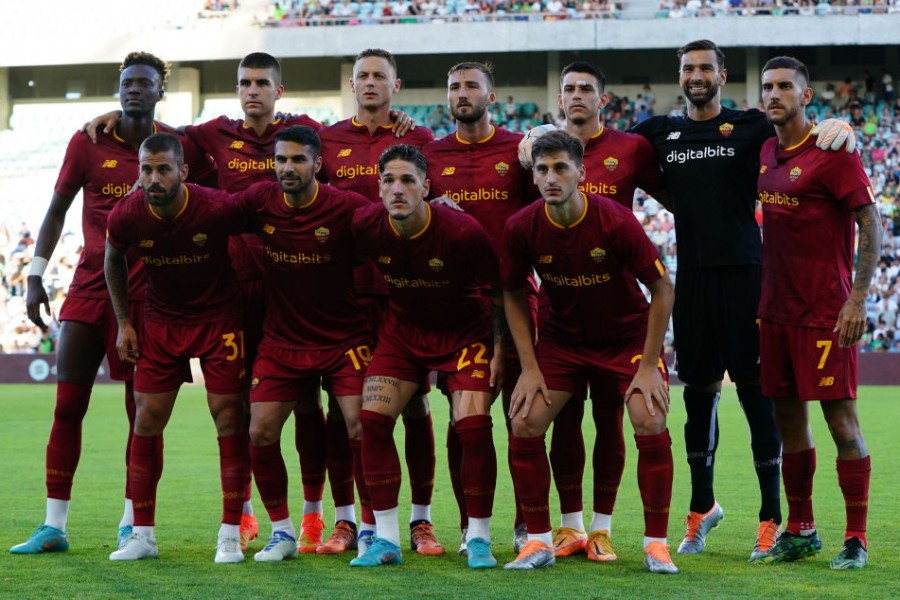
189,512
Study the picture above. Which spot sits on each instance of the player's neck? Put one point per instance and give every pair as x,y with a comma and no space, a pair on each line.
584,131
414,223
304,198
474,132
259,124
793,132
568,212
374,118
135,130
708,111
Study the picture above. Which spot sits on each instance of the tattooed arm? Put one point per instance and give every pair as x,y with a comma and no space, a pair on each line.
851,321
115,266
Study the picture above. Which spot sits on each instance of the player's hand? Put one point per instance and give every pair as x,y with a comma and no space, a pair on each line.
35,298
649,382
127,343
851,322
527,142
530,387
108,121
833,134
403,123
446,201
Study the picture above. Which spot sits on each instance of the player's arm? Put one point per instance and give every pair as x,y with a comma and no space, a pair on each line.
115,267
501,337
403,123
108,122
48,237
851,321
531,382
648,380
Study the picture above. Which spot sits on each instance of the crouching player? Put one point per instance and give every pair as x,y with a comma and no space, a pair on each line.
437,262
589,253
192,309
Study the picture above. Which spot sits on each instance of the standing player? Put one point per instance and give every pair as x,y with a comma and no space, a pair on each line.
477,168
811,316
105,171
350,152
312,326
437,263
180,233
588,252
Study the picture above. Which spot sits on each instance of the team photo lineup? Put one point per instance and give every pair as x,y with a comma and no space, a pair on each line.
339,273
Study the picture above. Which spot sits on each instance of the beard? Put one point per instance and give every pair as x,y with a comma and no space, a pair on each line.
164,200
472,117
704,98
788,114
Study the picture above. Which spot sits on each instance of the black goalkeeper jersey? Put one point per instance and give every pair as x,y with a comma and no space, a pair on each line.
710,168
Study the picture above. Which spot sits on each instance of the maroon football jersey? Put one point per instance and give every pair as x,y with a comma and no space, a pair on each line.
484,178
190,275
617,162
309,259
808,196
589,270
243,158
436,278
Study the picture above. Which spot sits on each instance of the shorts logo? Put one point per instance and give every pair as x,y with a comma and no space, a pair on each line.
237,145
673,135
502,168
109,164
795,173
268,229
478,374
763,169
436,264
343,152
826,382
255,383
322,234
611,163
199,239
385,260
598,255
448,171
726,129
146,244
545,259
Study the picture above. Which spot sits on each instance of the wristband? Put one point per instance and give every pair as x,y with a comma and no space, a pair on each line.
38,266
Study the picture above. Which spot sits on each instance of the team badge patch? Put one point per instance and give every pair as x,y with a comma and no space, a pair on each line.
795,173
200,239
436,264
268,229
344,152
726,129
237,145
385,260
448,171
545,259
255,383
611,163
322,234
502,168
109,164
598,255
763,169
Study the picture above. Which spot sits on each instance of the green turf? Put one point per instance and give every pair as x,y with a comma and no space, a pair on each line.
189,511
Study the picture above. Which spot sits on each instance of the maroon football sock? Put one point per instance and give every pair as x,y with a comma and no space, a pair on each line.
365,501
381,463
233,461
309,438
420,457
655,470
248,484
567,456
531,476
130,410
64,445
454,463
339,458
144,469
609,454
797,471
271,479
853,477
479,464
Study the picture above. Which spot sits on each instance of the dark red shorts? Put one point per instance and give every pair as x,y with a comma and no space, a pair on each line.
805,363
467,369
99,313
166,350
254,310
281,374
569,368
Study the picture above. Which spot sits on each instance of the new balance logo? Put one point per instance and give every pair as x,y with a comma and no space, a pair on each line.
344,152
826,382
237,145
146,244
109,164
674,135
448,171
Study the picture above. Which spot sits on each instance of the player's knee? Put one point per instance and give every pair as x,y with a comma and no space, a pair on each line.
844,428
526,428
647,424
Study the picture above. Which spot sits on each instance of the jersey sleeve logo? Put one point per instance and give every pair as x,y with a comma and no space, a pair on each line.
502,168
236,145
322,234
545,259
448,171
436,264
344,152
795,173
199,239
146,244
598,255
726,129
611,163
109,164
